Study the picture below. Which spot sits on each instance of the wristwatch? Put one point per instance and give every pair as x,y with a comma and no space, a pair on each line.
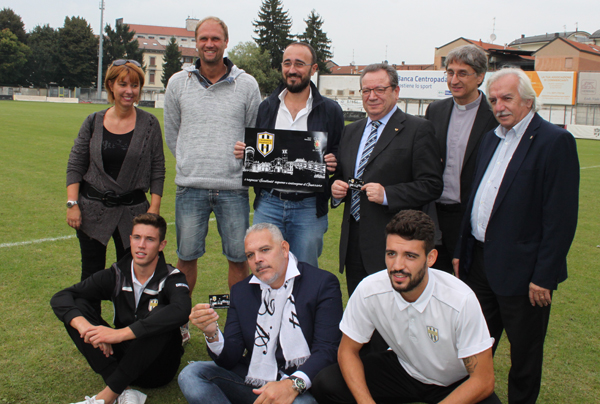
298,384
70,204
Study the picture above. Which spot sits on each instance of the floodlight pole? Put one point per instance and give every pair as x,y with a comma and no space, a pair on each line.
100,50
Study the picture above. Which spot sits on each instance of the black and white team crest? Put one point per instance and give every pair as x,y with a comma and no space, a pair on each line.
264,143
433,333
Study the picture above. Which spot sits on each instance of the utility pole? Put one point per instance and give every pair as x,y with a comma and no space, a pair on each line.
100,50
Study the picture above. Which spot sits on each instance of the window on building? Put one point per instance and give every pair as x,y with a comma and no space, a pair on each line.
183,39
443,62
152,60
151,77
193,40
351,92
340,92
150,37
568,63
141,36
161,37
328,92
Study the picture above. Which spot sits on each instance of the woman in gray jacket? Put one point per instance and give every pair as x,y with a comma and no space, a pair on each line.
117,157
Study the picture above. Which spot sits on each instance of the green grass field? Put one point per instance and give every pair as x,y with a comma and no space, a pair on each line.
38,362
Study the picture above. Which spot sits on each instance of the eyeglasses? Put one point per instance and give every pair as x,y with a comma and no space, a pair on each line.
461,74
121,62
378,90
297,64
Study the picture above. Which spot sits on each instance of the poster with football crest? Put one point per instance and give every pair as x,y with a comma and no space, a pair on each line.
285,159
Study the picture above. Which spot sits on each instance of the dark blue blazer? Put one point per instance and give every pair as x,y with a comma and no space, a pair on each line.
319,309
534,217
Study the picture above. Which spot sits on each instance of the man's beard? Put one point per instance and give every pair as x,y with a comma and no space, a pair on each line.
299,86
413,281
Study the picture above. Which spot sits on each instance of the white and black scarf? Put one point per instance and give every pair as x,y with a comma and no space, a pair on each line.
277,323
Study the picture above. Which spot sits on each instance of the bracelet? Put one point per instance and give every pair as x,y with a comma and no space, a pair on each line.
214,337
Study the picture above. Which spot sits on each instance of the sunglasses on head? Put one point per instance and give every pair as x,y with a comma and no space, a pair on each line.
121,62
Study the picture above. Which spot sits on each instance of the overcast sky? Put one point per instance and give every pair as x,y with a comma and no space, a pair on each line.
363,32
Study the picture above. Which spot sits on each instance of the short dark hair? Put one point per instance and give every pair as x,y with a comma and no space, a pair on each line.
390,70
413,225
313,54
152,219
471,55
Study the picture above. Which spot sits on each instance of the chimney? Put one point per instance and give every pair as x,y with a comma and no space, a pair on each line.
190,23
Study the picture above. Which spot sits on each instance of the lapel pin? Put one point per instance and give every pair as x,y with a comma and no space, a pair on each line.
396,129
531,137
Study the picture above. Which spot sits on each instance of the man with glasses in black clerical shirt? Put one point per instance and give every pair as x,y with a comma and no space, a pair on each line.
460,122
393,161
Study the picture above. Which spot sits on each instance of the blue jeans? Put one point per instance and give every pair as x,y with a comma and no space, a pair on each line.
298,223
209,383
193,207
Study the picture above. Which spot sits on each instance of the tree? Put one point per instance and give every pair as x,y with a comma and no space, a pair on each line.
273,29
13,57
314,35
78,51
172,63
42,65
9,19
120,44
249,57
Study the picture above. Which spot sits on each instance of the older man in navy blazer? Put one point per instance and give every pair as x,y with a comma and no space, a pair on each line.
519,225
281,330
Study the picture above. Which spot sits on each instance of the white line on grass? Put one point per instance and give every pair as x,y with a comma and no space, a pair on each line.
584,168
44,240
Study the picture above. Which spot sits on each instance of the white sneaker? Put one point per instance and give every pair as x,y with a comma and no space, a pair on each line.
131,396
90,400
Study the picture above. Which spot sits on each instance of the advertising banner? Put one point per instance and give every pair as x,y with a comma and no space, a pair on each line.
285,159
554,88
589,88
423,84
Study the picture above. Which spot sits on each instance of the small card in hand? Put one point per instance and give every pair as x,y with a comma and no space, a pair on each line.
355,184
219,301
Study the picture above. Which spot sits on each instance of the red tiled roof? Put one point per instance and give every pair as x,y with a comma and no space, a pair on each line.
587,48
188,51
357,69
488,46
150,44
162,31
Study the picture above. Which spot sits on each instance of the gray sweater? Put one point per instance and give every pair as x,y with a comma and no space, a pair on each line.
143,168
203,124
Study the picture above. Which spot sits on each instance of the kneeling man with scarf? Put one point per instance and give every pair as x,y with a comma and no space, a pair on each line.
285,315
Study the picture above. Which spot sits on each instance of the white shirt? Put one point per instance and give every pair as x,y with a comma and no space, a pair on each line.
138,288
291,272
430,336
286,122
494,174
284,116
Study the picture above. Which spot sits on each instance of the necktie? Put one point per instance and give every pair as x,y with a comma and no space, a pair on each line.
369,146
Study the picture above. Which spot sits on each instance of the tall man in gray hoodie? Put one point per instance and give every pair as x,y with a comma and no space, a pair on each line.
207,107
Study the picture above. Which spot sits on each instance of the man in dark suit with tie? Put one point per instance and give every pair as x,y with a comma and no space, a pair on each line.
281,330
394,162
520,222
459,121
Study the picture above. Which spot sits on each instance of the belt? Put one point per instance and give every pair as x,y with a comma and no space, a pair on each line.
448,207
109,198
290,196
